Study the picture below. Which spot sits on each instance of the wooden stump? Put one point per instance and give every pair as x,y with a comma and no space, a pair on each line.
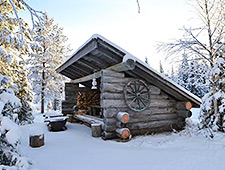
37,141
96,130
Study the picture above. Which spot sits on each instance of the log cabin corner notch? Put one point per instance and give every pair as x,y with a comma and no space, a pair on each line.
125,84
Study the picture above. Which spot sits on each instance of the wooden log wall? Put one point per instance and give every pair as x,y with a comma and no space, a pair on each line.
161,115
71,93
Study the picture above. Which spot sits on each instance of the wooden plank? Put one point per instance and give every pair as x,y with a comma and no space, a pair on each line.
154,124
89,120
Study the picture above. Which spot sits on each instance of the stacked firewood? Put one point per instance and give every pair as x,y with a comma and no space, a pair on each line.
86,99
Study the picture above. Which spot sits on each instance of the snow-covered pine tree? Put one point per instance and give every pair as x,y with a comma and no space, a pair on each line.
10,107
14,40
182,75
161,70
50,50
172,76
213,107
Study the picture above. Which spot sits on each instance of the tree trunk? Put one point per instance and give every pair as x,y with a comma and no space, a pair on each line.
42,90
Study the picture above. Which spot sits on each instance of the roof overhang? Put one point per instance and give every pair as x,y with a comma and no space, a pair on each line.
99,53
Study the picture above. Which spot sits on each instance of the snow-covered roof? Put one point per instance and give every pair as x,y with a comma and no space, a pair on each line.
100,47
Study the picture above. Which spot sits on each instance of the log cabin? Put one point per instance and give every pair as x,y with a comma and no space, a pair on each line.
124,95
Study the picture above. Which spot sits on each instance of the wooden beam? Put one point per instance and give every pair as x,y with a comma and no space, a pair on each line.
128,65
82,52
79,69
87,64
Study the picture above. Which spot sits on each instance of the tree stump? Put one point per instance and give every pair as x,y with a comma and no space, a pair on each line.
96,130
37,141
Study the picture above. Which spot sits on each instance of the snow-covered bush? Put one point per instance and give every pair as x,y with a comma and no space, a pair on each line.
11,106
10,136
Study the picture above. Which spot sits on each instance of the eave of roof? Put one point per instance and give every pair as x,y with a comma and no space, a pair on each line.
161,78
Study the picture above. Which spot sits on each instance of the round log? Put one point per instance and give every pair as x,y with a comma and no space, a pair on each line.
96,130
188,105
37,141
184,105
123,133
123,117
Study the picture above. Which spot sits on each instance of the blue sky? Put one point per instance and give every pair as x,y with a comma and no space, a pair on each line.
120,22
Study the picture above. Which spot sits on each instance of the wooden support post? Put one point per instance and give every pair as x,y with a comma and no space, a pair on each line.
96,130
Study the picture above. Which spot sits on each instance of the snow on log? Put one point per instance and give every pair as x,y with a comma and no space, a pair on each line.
123,117
123,133
184,105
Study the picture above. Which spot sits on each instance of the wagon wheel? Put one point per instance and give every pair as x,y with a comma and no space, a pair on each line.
136,95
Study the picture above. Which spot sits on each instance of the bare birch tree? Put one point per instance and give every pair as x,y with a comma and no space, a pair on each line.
206,42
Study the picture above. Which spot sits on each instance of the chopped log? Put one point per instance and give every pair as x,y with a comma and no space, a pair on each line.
123,117
37,141
184,105
184,113
123,133
108,135
96,129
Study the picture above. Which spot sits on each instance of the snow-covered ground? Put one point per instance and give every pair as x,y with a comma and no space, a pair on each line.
76,149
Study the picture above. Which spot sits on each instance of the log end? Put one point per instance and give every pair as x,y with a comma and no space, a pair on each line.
188,105
125,134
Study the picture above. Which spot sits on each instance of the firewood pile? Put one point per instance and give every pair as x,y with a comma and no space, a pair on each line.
86,99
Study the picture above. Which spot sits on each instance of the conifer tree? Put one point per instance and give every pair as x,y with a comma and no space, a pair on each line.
161,67
213,107
50,49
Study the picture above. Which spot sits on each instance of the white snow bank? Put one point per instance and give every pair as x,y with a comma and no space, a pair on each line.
186,150
36,131
9,98
12,130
